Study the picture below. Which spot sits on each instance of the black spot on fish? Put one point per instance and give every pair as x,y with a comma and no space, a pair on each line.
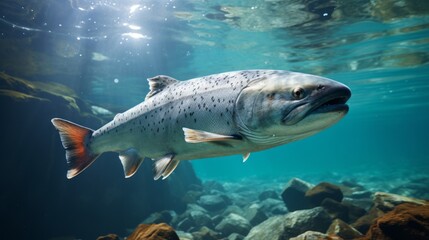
195,120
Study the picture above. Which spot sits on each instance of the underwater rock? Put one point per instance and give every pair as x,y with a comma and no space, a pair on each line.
213,202
184,235
313,235
294,195
273,207
272,228
109,237
159,217
361,195
353,185
160,231
268,194
363,223
186,224
387,201
193,218
235,236
343,230
291,224
233,209
354,212
324,190
418,189
213,185
200,218
206,233
255,215
336,209
50,95
406,221
344,211
364,203
388,10
233,223
191,196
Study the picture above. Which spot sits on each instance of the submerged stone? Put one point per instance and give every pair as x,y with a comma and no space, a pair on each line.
313,235
255,215
233,223
294,195
206,233
213,202
342,229
406,221
291,225
324,190
388,201
268,194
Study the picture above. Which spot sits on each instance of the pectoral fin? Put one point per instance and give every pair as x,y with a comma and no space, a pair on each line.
131,161
197,136
246,156
165,166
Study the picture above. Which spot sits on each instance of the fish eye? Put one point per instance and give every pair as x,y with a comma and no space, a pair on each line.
298,93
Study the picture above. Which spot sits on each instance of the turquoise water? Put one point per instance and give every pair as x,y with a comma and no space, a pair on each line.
105,50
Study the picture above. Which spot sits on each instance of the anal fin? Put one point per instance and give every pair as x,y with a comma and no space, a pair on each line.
131,161
170,168
198,136
165,166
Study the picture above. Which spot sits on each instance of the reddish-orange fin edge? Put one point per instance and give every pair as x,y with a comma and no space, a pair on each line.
75,140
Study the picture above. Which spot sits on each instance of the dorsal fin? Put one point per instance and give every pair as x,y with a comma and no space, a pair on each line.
158,83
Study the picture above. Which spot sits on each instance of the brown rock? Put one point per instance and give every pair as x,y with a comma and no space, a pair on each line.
160,231
342,229
364,222
322,191
406,221
109,237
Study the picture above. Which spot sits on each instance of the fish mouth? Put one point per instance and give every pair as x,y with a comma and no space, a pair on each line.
332,101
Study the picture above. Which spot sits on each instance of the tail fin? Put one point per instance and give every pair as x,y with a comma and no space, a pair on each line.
75,139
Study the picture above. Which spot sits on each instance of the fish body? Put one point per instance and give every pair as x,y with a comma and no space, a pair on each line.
223,114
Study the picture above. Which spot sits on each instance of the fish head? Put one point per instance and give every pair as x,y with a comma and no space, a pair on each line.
290,106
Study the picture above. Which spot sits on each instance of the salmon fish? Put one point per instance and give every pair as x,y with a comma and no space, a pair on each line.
222,114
